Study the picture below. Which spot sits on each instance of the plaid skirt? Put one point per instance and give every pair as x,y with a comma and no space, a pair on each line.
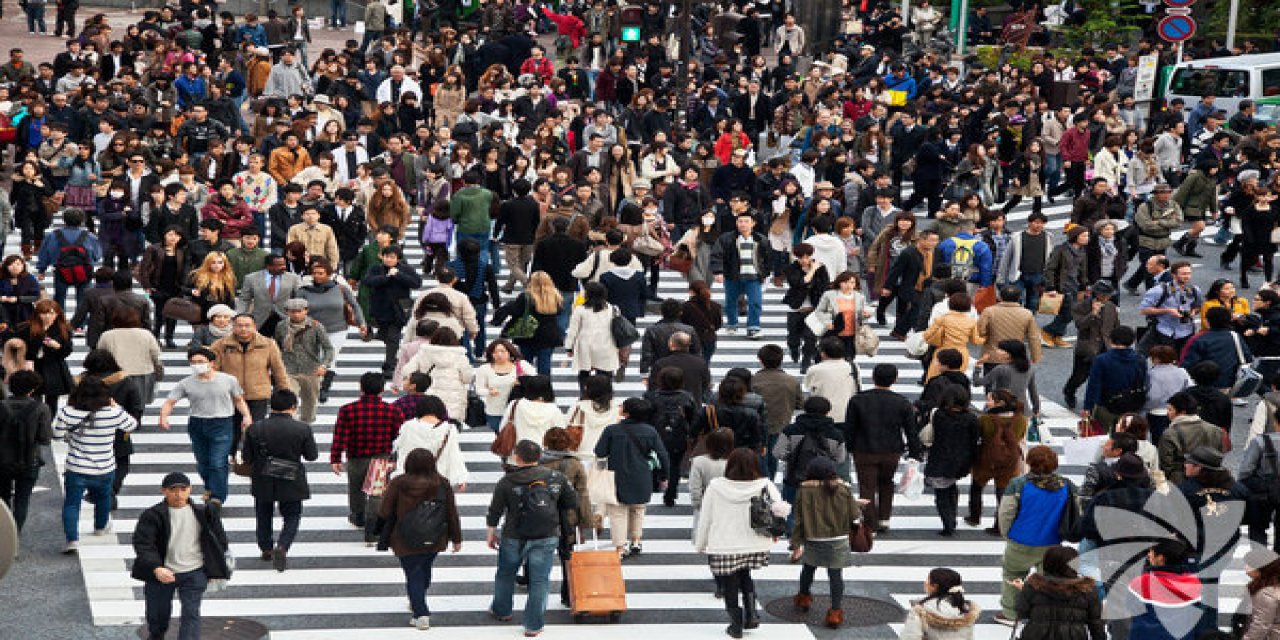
725,564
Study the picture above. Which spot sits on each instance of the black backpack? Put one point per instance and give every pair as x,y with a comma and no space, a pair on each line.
427,523
669,418
811,446
539,512
73,265
1265,484
17,444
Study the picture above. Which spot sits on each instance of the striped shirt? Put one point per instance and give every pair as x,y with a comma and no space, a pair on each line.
91,443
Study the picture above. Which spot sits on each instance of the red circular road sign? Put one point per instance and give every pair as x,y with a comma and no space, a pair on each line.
1176,28
1179,3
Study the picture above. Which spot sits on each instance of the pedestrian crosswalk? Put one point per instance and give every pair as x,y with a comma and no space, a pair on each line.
337,587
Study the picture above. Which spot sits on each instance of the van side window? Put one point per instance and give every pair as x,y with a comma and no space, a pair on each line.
1271,82
1232,83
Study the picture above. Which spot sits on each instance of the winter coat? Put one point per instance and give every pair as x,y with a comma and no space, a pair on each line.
1218,346
389,290
1184,435
789,441
568,466
548,333
451,374
257,368
935,619
151,541
590,338
311,348
880,421
280,437
627,445
820,514
748,429
441,439
1060,609
1168,595
50,363
1264,621
724,521
955,444
533,419
403,495
663,402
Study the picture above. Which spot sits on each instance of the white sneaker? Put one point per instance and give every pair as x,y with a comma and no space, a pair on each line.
422,622
731,331
72,547
105,531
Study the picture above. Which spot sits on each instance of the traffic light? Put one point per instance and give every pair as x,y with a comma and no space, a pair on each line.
631,17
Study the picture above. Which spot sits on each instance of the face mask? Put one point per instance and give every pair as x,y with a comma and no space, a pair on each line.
117,194
708,220
200,368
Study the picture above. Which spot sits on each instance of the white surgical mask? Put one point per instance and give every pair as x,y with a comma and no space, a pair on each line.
708,220
200,368
117,194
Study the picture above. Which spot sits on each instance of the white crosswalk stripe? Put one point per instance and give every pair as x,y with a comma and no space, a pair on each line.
336,587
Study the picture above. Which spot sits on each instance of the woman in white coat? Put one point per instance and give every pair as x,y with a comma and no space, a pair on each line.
840,311
429,431
590,338
724,533
596,410
535,413
446,361
944,614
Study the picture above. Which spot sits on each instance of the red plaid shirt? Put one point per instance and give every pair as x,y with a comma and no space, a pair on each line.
365,428
407,405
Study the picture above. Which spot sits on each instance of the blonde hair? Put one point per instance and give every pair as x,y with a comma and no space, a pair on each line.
546,298
219,285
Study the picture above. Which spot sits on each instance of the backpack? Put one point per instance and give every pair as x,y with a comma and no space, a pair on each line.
538,515
1265,484
17,444
426,523
670,421
73,265
437,230
812,445
962,265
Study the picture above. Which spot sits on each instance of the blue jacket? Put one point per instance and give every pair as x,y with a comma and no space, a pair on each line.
52,247
983,260
1218,346
907,83
190,90
1039,512
1113,371
256,34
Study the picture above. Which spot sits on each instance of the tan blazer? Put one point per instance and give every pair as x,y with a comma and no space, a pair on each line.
319,240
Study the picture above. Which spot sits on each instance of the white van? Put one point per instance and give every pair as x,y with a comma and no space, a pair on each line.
1253,77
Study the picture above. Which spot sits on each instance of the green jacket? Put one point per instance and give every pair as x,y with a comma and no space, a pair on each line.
1197,194
244,262
368,256
821,515
311,348
470,209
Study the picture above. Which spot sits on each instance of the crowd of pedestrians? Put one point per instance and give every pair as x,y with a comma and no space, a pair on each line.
264,192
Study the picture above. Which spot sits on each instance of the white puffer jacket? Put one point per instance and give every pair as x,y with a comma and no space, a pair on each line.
450,372
940,620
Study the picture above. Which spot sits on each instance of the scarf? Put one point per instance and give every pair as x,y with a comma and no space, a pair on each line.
295,328
217,332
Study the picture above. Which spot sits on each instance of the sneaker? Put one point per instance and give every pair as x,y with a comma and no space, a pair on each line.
1008,622
72,547
105,531
731,331
753,334
532,634
973,522
421,622
634,550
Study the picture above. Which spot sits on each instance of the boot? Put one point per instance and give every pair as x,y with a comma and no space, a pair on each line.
1181,245
1191,245
750,617
802,601
325,385
975,506
835,618
735,622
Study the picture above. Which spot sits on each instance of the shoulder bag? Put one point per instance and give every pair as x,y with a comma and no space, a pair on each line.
624,333
575,428
1248,380
505,443
524,327
276,468
651,457
698,445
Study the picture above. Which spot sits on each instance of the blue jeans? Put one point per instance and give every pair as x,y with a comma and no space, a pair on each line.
99,488
60,292
417,579
708,350
494,422
338,13
734,288
1053,169
479,340
539,358
537,555
211,444
563,318
486,245
1030,284
190,587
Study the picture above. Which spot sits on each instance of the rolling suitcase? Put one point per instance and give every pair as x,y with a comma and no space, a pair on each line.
596,587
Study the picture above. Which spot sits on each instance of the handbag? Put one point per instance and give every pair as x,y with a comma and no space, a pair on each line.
600,485
916,345
926,434
183,309
375,479
505,443
475,417
276,468
763,520
1248,380
861,537
1069,523
681,260
1275,235
624,333
575,429
985,297
1050,303
1088,428
865,341
524,327
698,445
646,244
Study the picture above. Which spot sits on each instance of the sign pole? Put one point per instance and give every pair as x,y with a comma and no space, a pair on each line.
962,26
1232,18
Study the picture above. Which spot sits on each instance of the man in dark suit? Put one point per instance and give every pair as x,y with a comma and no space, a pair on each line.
117,61
348,223
95,307
697,376
264,293
753,108
908,276
280,439
557,255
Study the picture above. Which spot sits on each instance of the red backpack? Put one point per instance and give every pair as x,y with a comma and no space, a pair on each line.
73,265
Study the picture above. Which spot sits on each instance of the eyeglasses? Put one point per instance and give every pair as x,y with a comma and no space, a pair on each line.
138,161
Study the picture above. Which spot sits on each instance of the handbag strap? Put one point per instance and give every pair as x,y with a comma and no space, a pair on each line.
635,441
711,418
448,432
1235,339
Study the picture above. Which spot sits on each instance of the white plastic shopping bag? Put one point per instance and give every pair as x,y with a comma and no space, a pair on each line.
911,484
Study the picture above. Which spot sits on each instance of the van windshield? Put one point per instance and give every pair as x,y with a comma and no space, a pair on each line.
1227,83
